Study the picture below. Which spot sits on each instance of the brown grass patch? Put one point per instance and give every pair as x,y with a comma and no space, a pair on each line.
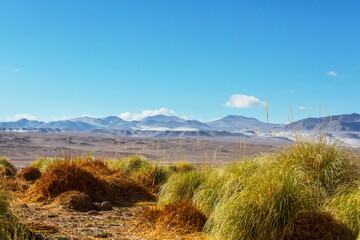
65,177
30,174
316,226
122,187
100,185
180,217
74,200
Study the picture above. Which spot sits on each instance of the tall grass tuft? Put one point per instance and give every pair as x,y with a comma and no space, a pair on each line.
332,167
222,183
273,195
181,186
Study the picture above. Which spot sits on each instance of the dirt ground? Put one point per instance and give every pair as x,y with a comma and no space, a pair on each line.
23,148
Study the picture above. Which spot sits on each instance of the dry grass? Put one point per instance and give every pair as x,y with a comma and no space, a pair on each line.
30,174
74,200
91,178
180,217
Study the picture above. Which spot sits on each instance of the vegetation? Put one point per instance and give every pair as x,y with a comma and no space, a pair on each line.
6,167
10,226
309,190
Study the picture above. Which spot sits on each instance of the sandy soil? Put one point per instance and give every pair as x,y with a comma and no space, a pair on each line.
23,148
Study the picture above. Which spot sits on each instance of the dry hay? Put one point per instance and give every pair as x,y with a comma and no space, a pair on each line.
180,217
64,177
30,174
74,200
316,226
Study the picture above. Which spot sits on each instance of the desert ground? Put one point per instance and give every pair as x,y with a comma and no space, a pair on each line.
23,148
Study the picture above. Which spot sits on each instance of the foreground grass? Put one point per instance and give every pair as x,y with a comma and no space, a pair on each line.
276,196
309,190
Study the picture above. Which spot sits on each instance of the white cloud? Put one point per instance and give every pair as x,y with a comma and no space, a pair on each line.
54,118
86,115
20,116
332,74
145,113
243,101
65,117
302,108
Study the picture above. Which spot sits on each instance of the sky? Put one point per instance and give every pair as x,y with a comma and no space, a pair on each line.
200,60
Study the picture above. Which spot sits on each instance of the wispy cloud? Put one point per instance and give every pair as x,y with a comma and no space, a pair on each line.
14,69
243,101
302,108
332,74
146,113
20,116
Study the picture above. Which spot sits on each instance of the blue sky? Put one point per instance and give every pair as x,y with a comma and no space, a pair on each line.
199,59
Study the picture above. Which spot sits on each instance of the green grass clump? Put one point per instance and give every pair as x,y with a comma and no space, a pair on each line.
181,186
4,162
43,164
180,167
222,183
273,195
331,166
347,209
130,165
136,163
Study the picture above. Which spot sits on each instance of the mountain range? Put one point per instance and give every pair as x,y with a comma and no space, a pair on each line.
345,122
